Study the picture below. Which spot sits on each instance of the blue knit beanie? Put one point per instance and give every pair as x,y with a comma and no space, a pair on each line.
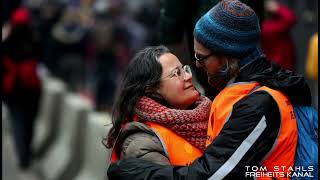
229,28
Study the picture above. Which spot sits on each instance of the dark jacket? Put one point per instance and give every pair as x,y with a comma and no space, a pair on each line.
245,116
21,47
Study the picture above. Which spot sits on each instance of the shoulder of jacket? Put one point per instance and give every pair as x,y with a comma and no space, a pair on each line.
132,128
139,144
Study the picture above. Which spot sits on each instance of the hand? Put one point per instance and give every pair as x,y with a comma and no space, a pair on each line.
271,5
6,29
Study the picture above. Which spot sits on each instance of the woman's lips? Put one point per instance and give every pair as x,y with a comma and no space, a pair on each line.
190,86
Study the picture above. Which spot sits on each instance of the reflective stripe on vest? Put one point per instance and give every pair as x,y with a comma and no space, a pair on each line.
283,150
179,151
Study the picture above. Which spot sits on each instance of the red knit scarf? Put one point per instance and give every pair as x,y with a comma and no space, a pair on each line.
189,124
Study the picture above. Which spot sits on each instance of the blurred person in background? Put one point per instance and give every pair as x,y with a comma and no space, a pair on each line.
45,16
158,115
113,40
145,13
67,51
121,29
277,42
106,74
129,36
177,21
21,86
312,66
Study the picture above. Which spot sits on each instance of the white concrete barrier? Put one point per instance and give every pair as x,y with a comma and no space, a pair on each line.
96,156
63,154
5,118
47,122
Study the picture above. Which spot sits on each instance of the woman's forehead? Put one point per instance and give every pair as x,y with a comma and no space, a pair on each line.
169,61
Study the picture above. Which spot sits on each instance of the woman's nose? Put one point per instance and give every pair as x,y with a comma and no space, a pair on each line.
187,76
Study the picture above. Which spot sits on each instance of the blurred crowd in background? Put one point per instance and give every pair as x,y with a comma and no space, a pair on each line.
89,43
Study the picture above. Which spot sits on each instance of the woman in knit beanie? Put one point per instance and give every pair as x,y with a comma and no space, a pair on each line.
251,123
157,90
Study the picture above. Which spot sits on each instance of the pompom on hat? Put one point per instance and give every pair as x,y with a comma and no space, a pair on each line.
229,28
21,16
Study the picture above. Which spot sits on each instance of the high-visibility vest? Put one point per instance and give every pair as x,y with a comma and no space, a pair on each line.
178,150
283,151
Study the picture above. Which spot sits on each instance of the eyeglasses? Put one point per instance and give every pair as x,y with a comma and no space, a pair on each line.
179,72
200,59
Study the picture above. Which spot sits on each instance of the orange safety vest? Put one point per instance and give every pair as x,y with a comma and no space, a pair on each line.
283,151
178,150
